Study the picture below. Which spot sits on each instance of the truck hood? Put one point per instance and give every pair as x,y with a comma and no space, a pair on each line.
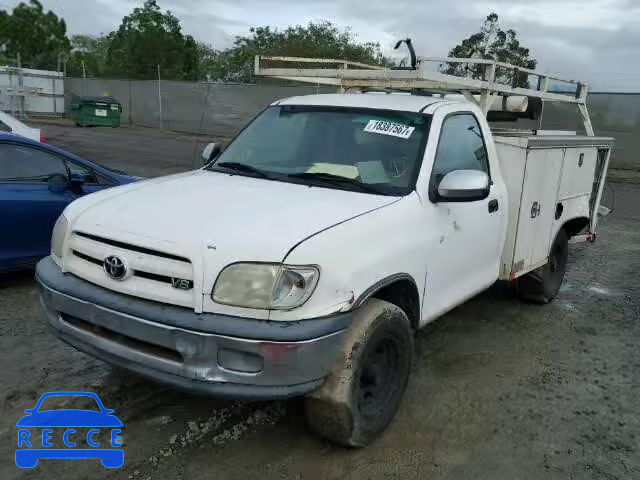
240,218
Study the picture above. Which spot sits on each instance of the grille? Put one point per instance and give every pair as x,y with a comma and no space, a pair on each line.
138,273
153,274
134,248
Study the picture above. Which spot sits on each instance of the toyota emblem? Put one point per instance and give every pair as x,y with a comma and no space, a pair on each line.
115,267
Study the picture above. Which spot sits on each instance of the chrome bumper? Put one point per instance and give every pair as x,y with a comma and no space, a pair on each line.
155,346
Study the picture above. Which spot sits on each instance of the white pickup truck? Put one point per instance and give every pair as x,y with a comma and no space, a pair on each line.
302,258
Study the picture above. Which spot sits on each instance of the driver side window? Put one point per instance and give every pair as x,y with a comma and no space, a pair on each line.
23,164
461,147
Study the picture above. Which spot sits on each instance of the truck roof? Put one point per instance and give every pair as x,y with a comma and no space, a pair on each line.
383,101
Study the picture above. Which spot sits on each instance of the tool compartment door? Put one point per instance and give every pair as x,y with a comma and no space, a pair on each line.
578,172
537,209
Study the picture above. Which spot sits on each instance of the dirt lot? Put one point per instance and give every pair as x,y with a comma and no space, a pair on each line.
146,152
500,389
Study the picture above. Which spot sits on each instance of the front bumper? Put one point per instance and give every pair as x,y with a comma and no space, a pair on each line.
208,353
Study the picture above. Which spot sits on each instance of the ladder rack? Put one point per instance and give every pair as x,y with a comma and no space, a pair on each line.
348,75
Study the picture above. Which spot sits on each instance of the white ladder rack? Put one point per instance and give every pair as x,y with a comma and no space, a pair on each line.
348,75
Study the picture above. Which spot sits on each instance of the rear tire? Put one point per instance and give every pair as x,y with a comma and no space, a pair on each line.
362,394
543,284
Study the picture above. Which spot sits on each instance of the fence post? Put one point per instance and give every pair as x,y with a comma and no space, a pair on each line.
84,78
54,97
21,97
130,105
159,97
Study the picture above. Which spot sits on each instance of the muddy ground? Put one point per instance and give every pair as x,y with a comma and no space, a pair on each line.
500,389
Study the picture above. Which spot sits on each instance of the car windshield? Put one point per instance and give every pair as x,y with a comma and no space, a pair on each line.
69,402
373,151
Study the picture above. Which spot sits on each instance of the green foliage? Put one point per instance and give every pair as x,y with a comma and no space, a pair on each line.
492,43
208,61
315,40
40,38
90,50
149,37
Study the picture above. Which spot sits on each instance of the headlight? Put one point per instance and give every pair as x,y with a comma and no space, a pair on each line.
57,237
265,286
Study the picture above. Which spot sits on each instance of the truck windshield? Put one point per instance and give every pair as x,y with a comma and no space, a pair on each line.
373,151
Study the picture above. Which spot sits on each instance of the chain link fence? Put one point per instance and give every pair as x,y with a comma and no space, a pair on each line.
221,110
208,108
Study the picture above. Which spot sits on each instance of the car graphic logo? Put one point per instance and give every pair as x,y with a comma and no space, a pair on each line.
115,267
69,433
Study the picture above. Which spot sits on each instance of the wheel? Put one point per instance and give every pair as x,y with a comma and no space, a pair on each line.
112,458
26,459
543,284
362,394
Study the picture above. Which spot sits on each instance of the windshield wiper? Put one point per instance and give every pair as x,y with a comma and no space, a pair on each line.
337,179
241,167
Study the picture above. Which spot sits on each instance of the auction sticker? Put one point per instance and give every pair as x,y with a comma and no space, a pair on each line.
389,128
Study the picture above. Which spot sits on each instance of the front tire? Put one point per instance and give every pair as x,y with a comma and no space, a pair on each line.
362,394
543,284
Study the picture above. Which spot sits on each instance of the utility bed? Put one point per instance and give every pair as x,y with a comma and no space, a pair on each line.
549,178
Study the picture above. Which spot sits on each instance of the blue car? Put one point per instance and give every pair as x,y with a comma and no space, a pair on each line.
37,181
46,432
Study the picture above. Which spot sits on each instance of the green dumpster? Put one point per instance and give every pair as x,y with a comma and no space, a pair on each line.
95,111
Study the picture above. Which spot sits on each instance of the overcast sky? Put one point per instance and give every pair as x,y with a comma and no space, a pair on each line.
593,40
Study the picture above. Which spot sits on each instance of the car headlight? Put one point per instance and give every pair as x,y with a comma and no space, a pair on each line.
57,237
265,286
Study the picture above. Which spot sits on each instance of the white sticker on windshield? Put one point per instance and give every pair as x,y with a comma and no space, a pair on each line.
389,128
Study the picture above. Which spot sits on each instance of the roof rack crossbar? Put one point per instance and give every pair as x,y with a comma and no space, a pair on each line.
353,75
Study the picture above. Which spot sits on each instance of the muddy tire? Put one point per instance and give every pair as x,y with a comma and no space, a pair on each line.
543,284
362,394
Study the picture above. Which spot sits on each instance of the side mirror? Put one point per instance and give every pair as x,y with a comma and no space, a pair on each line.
464,186
211,151
79,178
29,410
58,183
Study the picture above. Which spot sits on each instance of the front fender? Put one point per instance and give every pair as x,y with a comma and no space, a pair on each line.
358,256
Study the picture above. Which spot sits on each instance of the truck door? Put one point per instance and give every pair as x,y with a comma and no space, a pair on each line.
466,258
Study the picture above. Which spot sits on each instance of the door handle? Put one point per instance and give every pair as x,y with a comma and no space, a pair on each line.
535,209
493,206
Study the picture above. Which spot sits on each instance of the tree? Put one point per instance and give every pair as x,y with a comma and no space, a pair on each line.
492,43
149,37
208,60
3,22
92,50
39,38
315,40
